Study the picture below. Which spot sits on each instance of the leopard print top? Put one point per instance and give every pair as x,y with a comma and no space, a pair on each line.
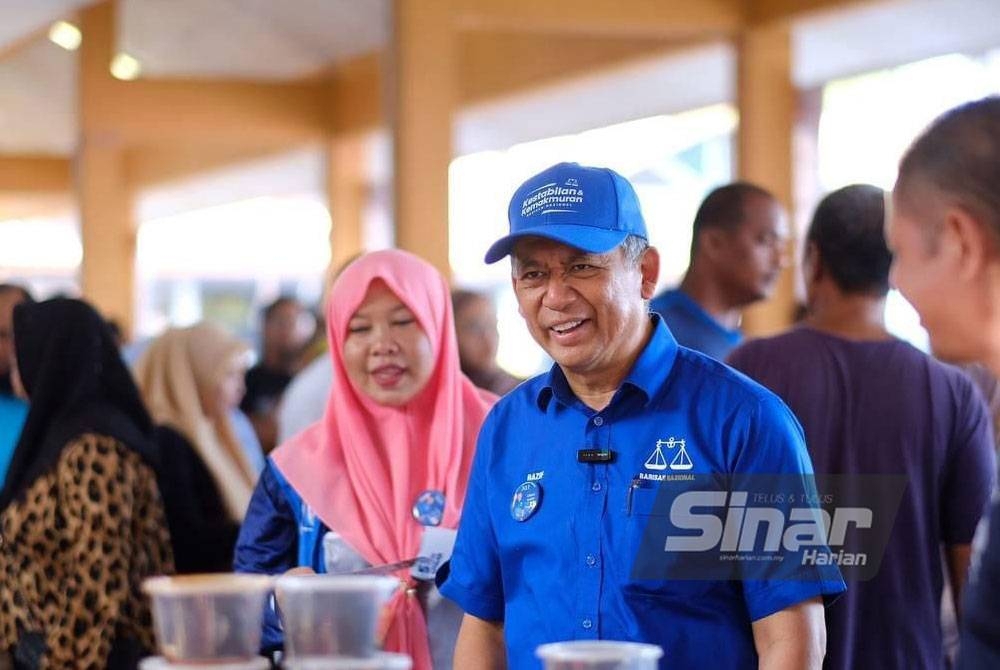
74,551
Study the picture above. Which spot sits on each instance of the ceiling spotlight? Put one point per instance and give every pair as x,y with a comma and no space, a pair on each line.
66,35
125,67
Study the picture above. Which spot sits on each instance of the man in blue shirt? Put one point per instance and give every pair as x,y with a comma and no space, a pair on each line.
564,483
737,253
944,233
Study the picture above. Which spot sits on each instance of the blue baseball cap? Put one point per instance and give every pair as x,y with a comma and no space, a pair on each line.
589,208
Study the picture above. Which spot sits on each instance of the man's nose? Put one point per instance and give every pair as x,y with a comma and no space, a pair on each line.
558,293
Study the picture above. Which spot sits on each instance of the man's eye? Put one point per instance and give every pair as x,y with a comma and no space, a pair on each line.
582,267
531,275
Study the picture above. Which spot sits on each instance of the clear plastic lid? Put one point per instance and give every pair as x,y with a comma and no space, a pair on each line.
380,661
207,584
340,583
599,655
160,663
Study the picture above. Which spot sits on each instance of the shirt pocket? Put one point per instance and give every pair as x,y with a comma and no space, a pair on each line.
654,574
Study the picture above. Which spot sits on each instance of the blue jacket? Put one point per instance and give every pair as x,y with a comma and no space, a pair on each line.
280,532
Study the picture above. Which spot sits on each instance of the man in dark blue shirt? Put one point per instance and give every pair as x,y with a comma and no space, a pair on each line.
569,465
945,236
737,253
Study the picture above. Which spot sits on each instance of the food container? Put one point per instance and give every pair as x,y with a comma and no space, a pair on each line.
208,618
160,663
380,661
332,615
599,655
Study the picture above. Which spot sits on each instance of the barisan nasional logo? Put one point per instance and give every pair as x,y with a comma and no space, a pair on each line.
553,197
681,460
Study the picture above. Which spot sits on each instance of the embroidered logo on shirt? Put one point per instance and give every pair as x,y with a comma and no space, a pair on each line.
657,461
535,476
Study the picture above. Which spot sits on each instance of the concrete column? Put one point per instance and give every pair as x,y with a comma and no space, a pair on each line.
767,106
107,227
422,98
347,188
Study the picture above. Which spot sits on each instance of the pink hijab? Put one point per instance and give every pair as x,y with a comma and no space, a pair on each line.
363,465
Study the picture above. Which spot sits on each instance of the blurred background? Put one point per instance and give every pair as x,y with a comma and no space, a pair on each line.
179,160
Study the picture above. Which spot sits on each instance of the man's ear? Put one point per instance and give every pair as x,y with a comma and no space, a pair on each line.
513,285
812,265
649,269
967,241
712,243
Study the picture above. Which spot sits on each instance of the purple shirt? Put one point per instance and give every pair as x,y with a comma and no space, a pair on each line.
883,407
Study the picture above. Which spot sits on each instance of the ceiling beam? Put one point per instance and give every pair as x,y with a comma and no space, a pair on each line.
623,18
760,12
189,110
497,64
157,164
356,95
34,174
35,205
492,65
224,111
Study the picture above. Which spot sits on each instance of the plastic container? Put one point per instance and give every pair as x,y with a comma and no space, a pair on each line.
380,661
160,663
208,618
599,655
332,615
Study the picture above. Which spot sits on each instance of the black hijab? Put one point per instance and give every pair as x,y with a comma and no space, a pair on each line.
76,383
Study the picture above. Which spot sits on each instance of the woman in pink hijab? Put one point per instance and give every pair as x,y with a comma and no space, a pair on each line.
389,459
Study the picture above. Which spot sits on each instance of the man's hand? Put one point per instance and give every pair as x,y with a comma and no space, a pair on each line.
794,638
480,645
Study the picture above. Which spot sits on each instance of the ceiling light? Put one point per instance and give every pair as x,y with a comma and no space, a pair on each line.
125,67
66,35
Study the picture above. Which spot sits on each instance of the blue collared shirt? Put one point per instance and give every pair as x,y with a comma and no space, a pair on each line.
564,573
693,327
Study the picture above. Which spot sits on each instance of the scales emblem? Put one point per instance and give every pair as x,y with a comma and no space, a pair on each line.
681,461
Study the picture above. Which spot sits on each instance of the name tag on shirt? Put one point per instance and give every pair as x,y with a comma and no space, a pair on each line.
435,548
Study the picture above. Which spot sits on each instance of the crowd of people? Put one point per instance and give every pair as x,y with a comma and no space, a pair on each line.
385,424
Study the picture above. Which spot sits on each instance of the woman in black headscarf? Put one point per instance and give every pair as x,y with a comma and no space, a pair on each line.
81,517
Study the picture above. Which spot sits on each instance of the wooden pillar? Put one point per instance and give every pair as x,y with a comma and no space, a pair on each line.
422,99
347,189
767,105
106,219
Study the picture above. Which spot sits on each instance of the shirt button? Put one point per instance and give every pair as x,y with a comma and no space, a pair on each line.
591,560
598,420
595,487
587,623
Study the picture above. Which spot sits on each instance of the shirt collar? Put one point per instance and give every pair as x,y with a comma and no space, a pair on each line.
647,376
689,303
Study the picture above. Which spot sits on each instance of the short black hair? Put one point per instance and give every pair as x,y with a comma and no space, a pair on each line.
17,288
847,229
959,155
723,208
460,297
273,307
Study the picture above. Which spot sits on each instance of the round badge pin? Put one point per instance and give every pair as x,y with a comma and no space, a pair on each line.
527,498
428,509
